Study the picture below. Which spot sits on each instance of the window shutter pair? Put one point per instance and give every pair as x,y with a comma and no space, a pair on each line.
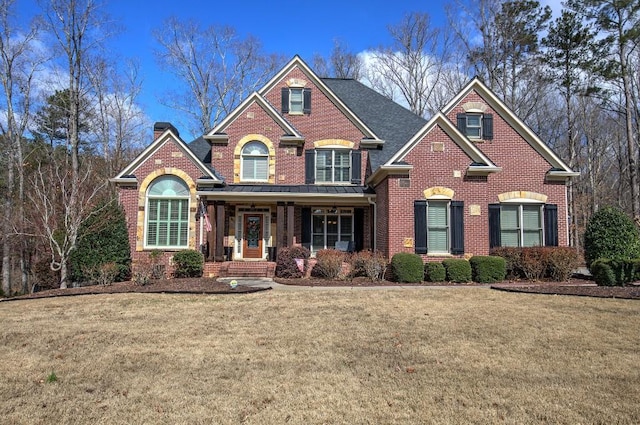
456,211
550,225
487,125
310,166
306,99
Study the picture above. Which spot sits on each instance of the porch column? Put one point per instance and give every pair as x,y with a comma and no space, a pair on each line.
211,236
219,246
290,223
280,229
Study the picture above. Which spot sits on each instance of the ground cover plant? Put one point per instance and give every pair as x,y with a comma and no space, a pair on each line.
400,356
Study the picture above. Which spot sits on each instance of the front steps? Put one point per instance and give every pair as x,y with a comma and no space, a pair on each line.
241,269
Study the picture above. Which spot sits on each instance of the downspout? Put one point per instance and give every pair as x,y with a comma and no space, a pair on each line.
375,223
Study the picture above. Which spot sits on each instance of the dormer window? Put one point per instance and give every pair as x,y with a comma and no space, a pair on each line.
476,125
296,100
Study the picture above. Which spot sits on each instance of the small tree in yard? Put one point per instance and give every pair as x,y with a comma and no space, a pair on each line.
611,234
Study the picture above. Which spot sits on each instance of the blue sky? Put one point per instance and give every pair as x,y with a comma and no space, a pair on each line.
302,27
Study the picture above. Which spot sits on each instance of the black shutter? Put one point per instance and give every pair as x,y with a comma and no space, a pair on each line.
356,165
310,166
306,101
487,127
550,225
306,227
285,100
420,225
494,226
358,228
457,227
462,123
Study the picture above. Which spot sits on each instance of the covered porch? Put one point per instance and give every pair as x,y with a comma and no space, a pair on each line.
250,223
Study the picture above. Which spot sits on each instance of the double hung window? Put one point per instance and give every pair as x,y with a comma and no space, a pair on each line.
329,226
521,225
333,166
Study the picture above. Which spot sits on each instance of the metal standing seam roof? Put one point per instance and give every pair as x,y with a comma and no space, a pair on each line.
304,188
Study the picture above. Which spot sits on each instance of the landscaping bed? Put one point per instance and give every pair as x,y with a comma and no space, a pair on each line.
173,286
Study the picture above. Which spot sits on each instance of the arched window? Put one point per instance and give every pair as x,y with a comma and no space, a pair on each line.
167,213
255,162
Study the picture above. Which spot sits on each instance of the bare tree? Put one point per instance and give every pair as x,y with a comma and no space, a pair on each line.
410,68
218,68
19,62
78,29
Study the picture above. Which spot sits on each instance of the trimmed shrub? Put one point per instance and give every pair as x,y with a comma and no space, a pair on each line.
512,257
533,262
611,234
407,267
488,269
458,270
561,262
103,238
434,272
287,267
369,264
188,263
602,273
329,264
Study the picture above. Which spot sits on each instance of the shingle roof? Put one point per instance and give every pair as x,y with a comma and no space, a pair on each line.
391,122
202,150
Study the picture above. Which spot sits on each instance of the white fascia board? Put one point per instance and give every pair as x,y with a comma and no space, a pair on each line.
297,61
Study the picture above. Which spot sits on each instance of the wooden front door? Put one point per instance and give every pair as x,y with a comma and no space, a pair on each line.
252,240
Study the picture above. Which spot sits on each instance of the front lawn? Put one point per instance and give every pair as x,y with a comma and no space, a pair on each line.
439,355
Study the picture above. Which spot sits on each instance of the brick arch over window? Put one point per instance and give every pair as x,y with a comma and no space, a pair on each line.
237,156
142,198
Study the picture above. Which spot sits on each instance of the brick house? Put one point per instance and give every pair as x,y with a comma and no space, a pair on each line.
330,163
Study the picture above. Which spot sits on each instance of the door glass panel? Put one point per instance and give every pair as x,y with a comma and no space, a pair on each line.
253,232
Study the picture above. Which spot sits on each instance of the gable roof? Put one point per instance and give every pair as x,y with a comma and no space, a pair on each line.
390,121
370,135
559,169
127,174
480,162
290,132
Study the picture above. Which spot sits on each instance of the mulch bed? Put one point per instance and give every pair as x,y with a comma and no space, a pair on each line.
164,286
577,287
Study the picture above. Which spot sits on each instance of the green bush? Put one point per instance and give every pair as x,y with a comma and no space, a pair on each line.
103,238
286,265
602,273
329,264
611,234
458,270
407,267
188,263
488,269
434,272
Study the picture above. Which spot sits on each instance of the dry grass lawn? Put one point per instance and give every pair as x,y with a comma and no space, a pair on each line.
422,356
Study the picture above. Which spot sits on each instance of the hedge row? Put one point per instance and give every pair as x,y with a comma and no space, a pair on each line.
536,263
407,267
608,272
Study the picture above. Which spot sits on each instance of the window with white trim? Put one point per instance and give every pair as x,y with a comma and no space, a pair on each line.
333,166
474,126
438,227
167,218
255,162
329,225
521,225
296,101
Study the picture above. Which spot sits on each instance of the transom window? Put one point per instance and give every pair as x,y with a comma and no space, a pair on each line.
167,213
296,101
521,225
330,226
474,126
255,162
333,166
438,226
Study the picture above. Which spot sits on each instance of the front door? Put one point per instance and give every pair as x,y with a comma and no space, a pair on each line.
252,241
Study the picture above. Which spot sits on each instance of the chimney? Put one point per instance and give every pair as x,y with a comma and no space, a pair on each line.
161,127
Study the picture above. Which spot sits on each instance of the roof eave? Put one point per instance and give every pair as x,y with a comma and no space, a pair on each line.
482,170
369,143
388,170
561,175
